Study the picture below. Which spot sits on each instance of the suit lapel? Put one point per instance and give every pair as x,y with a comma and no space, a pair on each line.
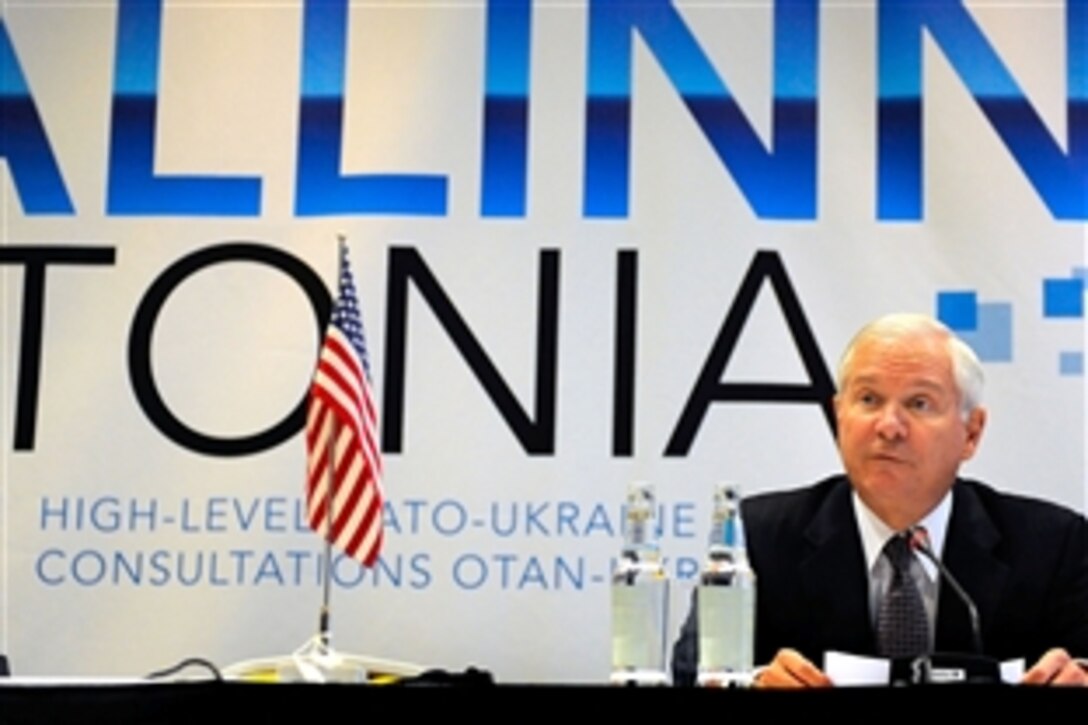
969,554
834,578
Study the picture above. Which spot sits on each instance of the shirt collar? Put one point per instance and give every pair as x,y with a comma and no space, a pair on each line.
875,533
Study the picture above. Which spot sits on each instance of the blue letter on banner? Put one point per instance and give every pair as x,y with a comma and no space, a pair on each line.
506,108
1060,179
320,189
23,141
133,186
780,184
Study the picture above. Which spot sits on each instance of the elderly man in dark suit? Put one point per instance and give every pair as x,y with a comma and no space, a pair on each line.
909,413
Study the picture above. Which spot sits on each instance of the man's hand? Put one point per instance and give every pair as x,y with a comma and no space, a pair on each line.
790,669
1057,667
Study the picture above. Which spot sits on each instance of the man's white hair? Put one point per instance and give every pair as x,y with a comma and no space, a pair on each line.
966,368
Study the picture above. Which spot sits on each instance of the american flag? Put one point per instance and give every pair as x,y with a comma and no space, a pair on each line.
342,407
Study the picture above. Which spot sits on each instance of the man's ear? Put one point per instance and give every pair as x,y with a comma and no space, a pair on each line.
976,422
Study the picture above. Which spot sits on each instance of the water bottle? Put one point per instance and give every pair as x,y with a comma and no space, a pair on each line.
640,597
727,598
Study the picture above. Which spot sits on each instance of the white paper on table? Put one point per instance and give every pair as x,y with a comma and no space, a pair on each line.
848,669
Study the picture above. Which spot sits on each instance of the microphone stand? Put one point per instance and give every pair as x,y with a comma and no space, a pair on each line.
947,667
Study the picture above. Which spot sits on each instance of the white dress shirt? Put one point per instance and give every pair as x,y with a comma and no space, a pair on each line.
875,534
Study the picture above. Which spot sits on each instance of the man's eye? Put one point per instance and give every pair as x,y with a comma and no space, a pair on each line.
921,404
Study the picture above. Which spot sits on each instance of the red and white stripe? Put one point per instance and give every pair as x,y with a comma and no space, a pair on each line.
342,406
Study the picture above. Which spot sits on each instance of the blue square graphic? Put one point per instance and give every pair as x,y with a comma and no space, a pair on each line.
1063,297
958,310
1071,363
992,341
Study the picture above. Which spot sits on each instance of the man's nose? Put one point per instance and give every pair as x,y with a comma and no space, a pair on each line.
891,423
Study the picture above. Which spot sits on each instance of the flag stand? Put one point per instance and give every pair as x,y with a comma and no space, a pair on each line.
317,660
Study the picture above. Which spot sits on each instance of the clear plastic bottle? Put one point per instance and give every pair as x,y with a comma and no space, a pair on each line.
640,597
727,598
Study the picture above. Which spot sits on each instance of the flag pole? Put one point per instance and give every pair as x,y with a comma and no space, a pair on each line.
323,620
323,624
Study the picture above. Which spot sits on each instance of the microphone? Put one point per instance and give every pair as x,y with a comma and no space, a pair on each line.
919,541
945,667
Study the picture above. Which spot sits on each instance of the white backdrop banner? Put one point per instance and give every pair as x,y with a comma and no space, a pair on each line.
595,242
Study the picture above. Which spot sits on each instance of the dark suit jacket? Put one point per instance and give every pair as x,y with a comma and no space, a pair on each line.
1023,561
